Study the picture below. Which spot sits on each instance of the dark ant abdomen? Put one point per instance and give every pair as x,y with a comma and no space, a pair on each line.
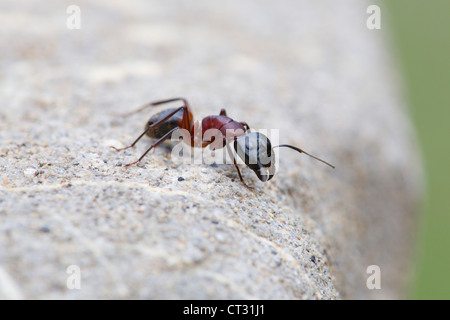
159,131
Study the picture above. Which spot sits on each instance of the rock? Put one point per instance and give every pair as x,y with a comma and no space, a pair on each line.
312,70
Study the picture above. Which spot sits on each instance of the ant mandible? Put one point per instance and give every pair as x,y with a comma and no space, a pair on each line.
253,148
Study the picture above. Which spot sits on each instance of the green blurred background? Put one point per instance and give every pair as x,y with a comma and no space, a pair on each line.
421,37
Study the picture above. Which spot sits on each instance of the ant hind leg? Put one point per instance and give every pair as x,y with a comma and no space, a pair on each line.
157,103
185,125
131,145
154,145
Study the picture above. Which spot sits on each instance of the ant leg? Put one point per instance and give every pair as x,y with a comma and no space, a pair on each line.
187,121
237,168
240,176
169,100
131,145
154,145
155,125
246,126
156,103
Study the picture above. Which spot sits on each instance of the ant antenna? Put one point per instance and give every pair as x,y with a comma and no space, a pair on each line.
301,151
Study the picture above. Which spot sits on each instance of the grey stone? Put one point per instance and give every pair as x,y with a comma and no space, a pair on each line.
308,68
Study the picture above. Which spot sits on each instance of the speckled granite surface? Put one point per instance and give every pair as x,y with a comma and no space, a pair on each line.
310,69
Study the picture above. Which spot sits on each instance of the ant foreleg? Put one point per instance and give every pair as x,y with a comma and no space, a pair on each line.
237,168
154,145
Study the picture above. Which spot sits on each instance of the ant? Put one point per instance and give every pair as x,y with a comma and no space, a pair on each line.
253,148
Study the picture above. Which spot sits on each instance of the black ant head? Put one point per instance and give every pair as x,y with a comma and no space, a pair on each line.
257,153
